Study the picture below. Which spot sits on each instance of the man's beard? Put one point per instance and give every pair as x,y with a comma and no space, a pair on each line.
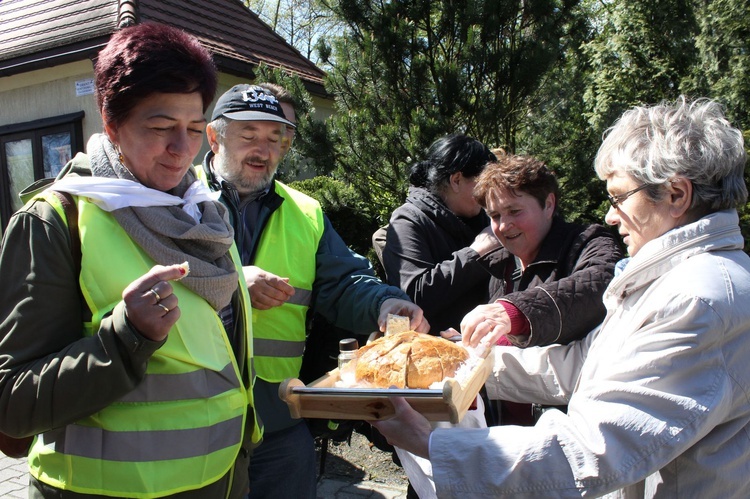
245,185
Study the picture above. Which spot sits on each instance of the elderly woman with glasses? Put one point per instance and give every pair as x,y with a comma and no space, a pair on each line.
657,397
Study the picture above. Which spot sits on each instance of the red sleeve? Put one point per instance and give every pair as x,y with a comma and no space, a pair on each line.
519,324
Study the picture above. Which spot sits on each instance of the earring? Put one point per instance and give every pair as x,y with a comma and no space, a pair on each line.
120,158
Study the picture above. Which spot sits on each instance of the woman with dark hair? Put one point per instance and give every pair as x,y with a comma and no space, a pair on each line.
436,250
131,368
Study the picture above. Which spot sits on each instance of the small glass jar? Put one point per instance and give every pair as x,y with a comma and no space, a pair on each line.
348,360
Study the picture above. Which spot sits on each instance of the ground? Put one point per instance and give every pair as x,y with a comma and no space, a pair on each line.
359,460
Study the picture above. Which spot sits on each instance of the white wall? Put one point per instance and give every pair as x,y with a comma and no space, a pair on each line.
46,93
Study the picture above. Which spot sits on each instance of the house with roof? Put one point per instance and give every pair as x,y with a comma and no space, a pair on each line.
47,104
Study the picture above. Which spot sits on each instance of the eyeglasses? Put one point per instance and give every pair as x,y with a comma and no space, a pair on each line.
620,198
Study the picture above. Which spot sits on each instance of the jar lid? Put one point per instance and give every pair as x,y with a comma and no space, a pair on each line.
348,345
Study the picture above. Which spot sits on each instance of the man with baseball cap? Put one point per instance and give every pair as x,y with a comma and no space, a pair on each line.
294,263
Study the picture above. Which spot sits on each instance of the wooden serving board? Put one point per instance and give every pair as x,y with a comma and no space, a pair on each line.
322,399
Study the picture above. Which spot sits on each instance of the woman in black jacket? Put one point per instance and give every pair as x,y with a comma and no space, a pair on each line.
438,243
438,247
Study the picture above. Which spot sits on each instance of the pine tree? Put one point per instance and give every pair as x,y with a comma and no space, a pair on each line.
643,50
722,70
407,72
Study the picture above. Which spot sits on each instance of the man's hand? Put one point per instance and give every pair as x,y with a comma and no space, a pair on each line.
407,429
266,289
150,303
486,323
405,308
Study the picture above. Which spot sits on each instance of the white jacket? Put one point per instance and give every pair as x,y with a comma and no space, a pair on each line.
659,396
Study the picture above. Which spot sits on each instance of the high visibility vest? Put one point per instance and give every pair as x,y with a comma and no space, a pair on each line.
181,428
287,248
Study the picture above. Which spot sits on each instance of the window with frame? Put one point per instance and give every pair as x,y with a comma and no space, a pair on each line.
32,151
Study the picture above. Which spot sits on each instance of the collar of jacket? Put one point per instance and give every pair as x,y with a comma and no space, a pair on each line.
718,231
213,182
435,209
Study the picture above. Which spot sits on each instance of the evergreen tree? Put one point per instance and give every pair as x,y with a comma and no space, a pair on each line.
311,150
558,132
540,77
407,72
722,70
643,50
618,54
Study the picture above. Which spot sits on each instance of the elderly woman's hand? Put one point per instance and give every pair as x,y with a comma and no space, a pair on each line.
485,324
407,429
404,308
150,303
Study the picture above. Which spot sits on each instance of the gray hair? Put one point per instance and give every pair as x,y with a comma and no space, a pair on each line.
220,125
686,139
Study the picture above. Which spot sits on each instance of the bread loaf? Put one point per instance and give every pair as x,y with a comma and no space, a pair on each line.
408,360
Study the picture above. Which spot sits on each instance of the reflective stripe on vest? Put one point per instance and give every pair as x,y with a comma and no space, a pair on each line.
287,248
182,427
200,384
301,297
96,443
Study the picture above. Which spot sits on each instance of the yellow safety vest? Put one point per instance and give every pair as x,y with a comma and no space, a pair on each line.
287,248
182,427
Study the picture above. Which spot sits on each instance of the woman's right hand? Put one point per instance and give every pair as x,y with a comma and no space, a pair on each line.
406,429
150,303
485,324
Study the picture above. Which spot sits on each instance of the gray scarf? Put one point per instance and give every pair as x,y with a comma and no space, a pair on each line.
169,235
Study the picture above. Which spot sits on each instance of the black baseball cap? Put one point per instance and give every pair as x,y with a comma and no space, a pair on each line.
245,102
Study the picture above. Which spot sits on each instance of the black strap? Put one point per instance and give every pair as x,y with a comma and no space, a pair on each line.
71,213
513,274
517,275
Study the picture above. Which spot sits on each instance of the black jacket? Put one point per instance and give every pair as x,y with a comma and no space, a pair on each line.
427,255
560,293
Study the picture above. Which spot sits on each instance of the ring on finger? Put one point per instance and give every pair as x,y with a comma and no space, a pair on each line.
156,295
164,307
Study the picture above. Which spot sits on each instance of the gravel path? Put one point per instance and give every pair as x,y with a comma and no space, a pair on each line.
361,461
